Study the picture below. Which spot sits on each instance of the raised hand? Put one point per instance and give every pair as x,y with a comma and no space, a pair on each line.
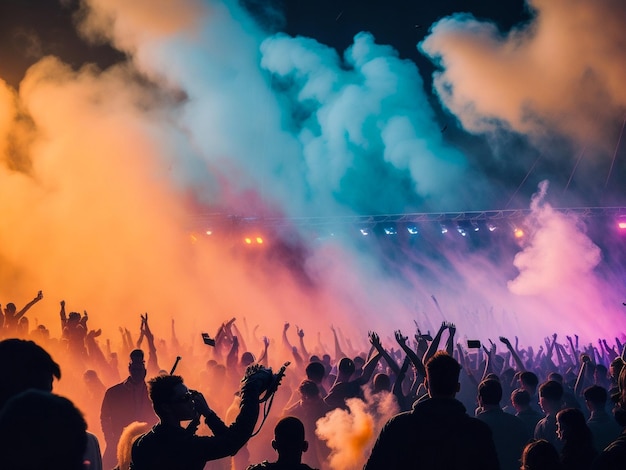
400,338
505,341
374,339
300,332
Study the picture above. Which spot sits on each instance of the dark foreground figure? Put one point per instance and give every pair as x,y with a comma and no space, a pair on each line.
437,434
169,446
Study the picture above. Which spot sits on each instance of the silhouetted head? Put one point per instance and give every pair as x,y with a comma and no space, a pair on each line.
571,426
137,366
315,371
489,392
540,455
41,430
289,438
381,383
616,367
25,365
442,375
520,398
308,389
528,381
346,366
247,358
10,308
73,317
596,395
171,397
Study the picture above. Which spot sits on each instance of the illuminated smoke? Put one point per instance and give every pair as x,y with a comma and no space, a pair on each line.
103,169
560,72
351,434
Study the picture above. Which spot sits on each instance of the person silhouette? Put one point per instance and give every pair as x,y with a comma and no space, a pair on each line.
290,443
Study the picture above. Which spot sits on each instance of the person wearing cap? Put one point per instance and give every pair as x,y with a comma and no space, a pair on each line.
124,403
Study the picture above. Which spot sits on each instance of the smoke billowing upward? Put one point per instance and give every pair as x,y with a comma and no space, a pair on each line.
558,74
102,169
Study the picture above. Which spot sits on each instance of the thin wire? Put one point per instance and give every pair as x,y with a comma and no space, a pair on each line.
571,176
615,153
523,181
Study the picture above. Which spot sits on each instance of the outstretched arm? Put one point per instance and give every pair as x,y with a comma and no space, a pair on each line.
338,352
63,316
415,360
375,341
303,350
368,369
22,312
514,354
434,345
153,363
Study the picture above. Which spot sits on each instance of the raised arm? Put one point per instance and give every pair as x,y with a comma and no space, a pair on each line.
63,316
368,369
375,341
450,341
434,345
303,350
338,351
514,354
415,360
22,312
153,362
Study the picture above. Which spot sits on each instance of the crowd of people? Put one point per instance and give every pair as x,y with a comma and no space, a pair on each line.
233,400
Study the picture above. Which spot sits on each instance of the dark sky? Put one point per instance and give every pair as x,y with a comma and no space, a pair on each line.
30,29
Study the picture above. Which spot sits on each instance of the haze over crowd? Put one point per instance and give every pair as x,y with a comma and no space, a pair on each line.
210,112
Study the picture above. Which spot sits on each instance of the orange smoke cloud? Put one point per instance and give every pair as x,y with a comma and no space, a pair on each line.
561,71
351,434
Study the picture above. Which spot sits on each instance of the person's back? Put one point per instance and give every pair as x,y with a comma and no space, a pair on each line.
521,402
613,457
603,426
510,434
124,403
438,433
550,399
309,409
41,430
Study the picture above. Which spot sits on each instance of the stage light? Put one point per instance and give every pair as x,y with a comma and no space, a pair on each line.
390,231
444,229
621,225
248,240
259,240
491,227
475,227
209,232
412,229
365,232
518,232
461,230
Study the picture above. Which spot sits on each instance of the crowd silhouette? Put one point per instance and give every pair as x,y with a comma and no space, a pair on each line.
81,400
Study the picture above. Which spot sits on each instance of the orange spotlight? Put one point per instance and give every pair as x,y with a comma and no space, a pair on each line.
209,232
193,238
259,240
248,240
518,232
